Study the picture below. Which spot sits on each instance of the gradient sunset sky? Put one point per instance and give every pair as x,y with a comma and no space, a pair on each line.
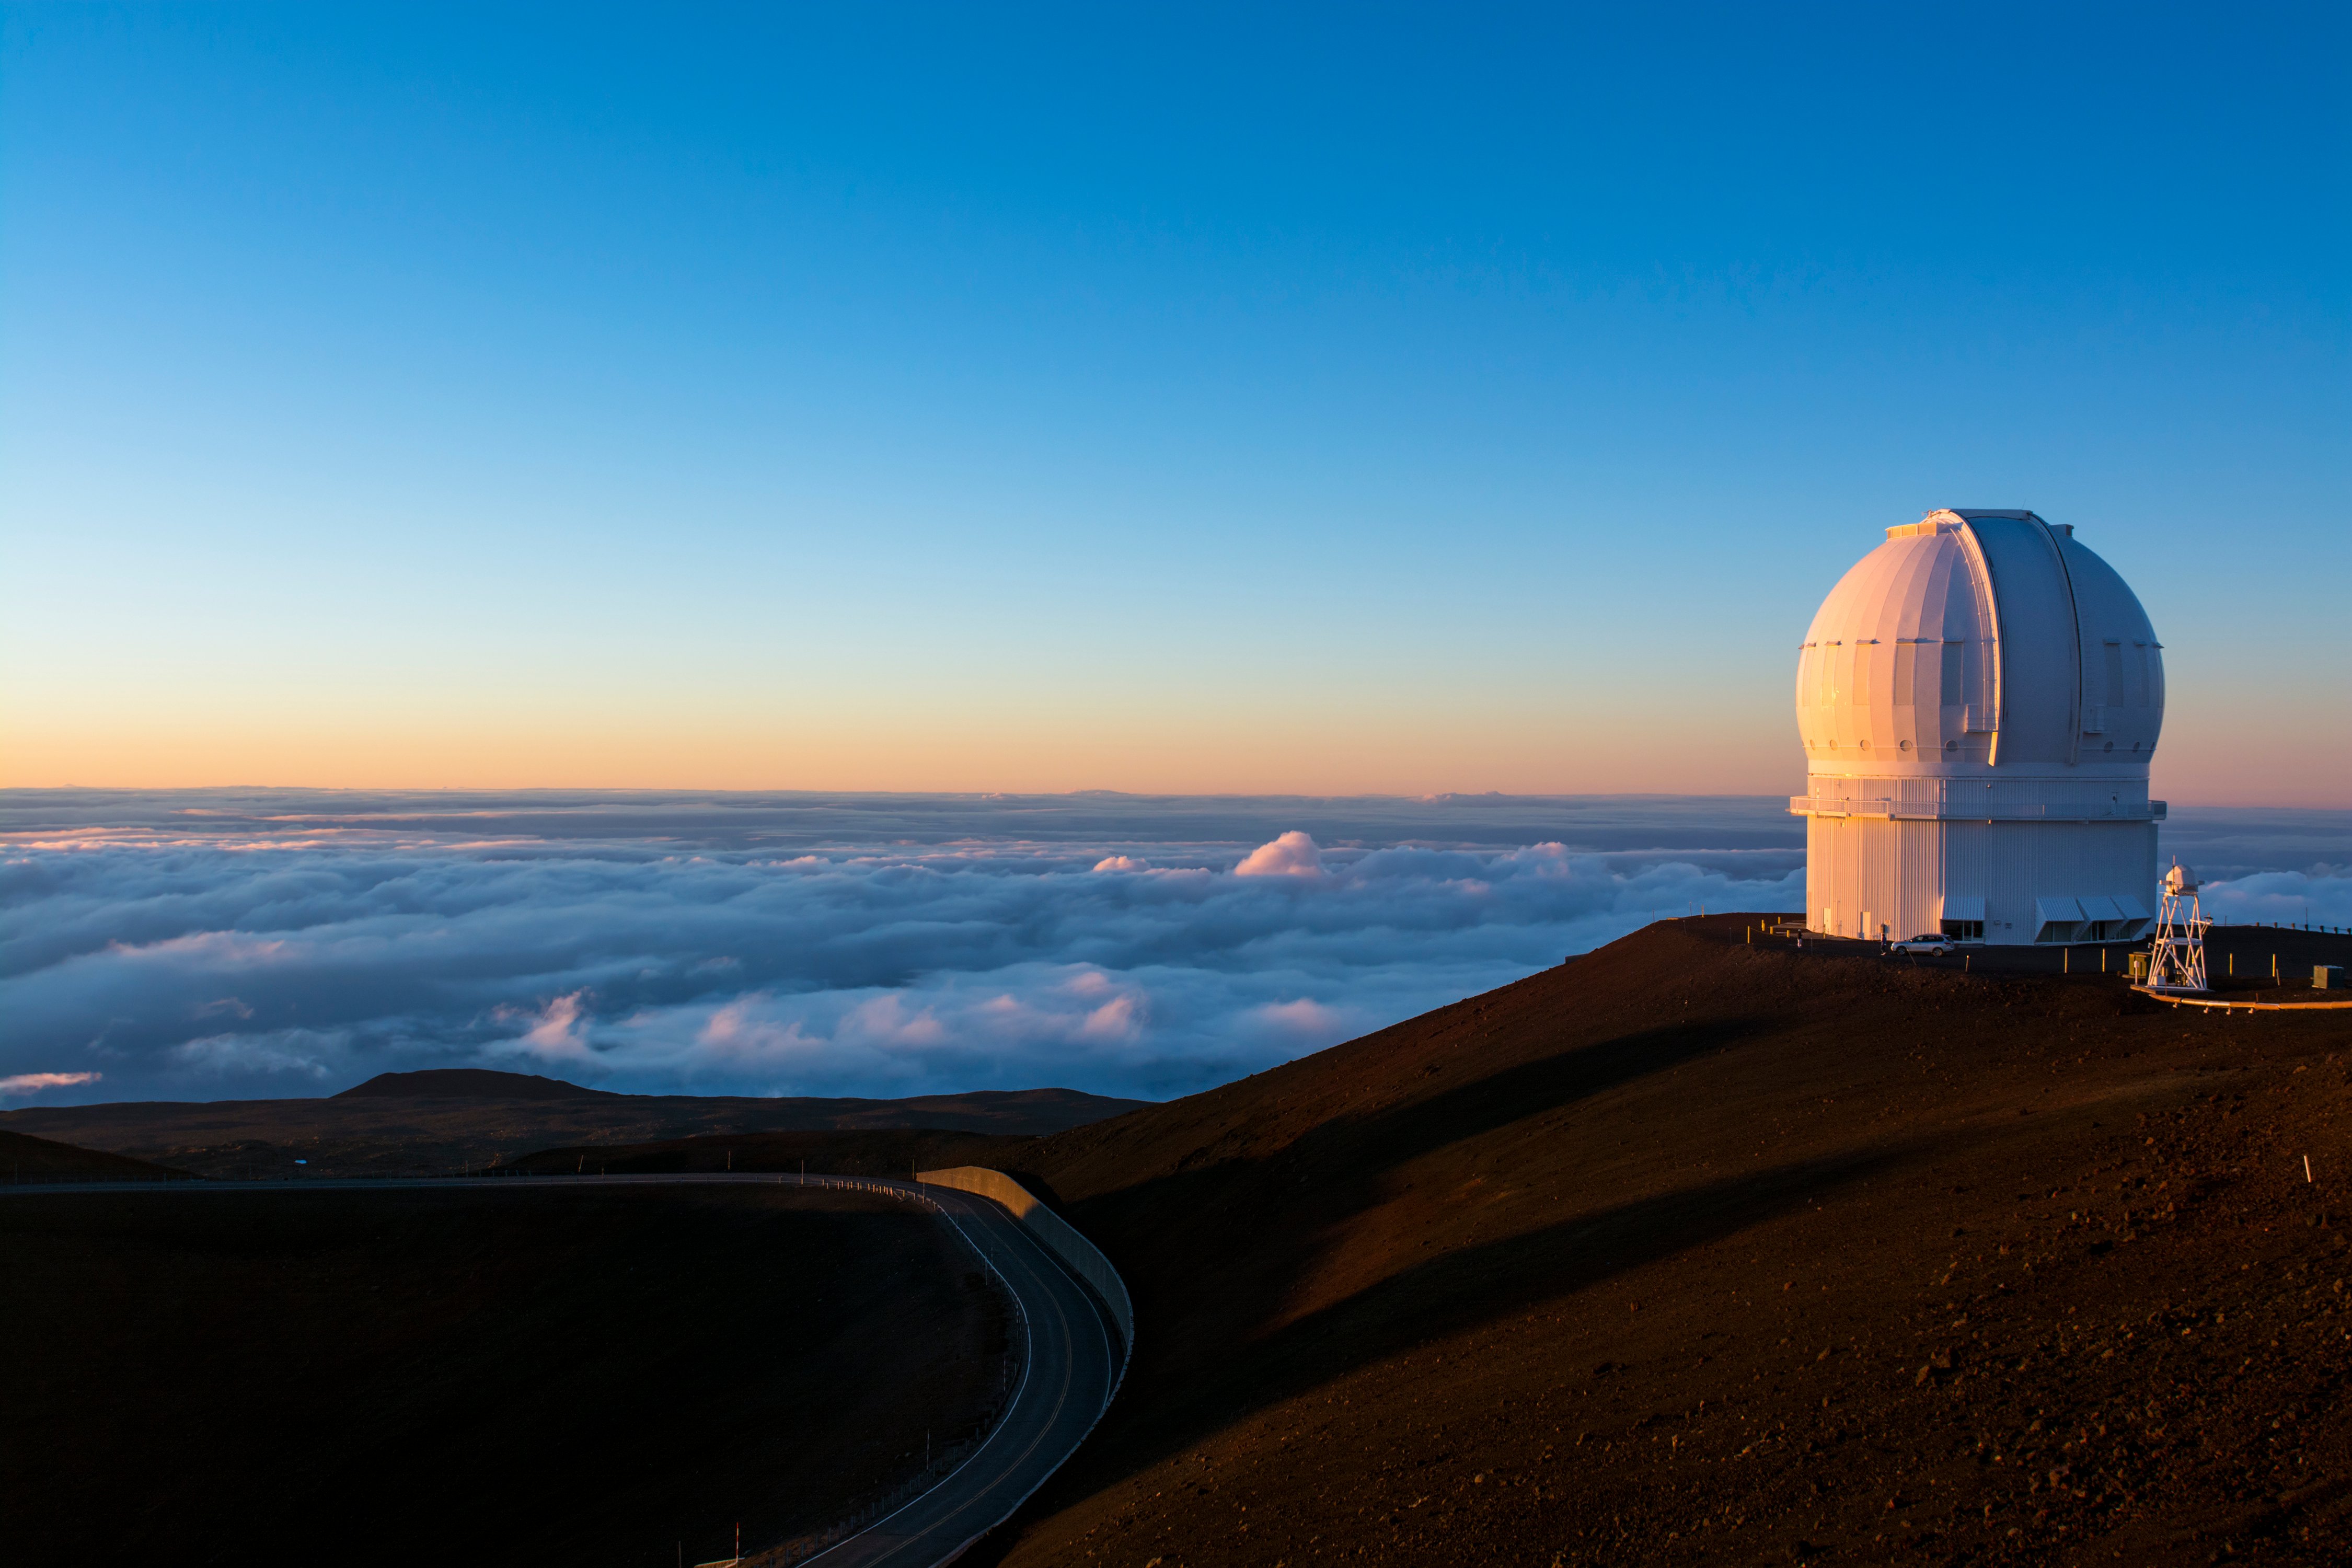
1358,399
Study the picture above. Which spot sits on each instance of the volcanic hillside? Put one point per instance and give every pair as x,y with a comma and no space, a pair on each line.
1691,1248
24,1158
442,1121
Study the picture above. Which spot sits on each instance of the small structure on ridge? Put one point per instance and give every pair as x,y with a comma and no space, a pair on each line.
2176,959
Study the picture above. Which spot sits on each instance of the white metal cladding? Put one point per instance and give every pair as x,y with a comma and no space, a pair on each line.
1978,699
1976,641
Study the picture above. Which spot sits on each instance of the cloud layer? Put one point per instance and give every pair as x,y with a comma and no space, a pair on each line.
192,956
868,945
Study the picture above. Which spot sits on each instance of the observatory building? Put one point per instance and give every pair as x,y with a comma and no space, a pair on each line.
1978,699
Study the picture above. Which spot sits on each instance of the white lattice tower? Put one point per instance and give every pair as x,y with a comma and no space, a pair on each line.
2176,960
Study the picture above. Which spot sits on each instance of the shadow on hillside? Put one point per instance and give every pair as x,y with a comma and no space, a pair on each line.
1382,1143
1346,1156
1458,1290
1341,1168
1480,1284
1218,1219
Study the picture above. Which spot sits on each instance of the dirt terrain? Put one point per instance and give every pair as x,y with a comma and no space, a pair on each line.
1694,1247
1690,1250
614,1376
442,1122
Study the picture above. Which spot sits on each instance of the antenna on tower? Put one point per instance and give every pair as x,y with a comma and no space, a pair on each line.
2176,960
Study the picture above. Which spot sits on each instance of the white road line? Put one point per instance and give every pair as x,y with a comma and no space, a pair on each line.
1028,1360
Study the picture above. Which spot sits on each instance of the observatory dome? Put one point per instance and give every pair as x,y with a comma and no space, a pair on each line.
1978,700
1976,640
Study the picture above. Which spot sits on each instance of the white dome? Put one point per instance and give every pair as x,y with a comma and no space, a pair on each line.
1972,642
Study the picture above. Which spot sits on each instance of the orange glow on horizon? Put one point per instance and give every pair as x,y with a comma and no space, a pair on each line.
1332,753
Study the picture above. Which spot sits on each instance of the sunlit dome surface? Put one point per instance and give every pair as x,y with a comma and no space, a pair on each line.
1978,699
1980,640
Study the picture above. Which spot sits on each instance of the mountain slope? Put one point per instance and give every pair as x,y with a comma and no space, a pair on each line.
25,1158
1693,1249
442,1121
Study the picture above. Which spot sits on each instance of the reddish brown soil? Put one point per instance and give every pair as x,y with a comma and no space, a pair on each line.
24,1158
1690,1250
605,1377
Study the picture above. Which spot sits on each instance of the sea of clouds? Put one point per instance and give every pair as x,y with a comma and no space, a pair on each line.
221,944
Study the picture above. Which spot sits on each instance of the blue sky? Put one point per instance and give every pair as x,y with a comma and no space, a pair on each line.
1349,399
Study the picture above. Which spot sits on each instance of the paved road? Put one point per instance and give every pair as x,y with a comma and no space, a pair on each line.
1070,1365
1070,1369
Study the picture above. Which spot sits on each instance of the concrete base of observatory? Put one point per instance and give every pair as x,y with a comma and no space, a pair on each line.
1995,881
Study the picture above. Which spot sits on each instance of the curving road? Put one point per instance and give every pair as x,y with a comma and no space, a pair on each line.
1070,1369
1070,1364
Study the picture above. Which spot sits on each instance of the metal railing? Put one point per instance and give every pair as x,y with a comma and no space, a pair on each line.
1962,809
1081,1257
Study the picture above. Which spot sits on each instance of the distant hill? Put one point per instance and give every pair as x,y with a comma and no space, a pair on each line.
24,1158
468,1083
1694,1250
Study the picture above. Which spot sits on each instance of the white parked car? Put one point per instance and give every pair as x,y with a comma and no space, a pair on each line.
1926,944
